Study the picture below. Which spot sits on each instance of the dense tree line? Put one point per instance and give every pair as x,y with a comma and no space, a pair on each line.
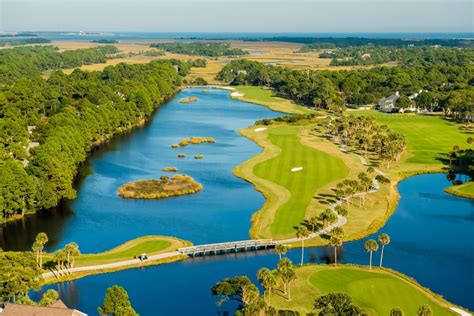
68,115
333,42
105,41
446,74
24,41
29,62
201,49
372,55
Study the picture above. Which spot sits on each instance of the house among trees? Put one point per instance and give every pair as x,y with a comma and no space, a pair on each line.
56,309
387,105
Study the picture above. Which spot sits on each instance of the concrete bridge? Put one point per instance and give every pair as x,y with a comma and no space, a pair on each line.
228,247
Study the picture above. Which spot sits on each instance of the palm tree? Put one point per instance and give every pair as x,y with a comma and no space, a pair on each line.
59,256
268,280
283,265
281,249
424,310
250,294
337,235
313,221
37,247
41,239
384,180
384,239
335,242
371,246
287,274
302,233
71,250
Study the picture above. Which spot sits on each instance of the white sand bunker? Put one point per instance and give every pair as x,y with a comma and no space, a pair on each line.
260,129
296,169
236,94
460,311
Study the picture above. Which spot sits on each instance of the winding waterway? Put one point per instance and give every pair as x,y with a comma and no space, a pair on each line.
430,230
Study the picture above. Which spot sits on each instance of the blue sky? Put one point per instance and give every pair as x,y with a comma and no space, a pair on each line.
238,15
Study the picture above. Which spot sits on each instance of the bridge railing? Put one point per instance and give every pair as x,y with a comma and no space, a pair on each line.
227,246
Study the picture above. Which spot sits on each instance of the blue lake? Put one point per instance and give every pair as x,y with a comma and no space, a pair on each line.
99,219
430,230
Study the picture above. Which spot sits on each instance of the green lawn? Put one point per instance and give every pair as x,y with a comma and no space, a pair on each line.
319,169
126,251
429,138
464,190
376,292
373,290
148,247
268,98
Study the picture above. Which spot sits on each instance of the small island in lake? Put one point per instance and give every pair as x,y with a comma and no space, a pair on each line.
170,169
196,140
189,100
159,189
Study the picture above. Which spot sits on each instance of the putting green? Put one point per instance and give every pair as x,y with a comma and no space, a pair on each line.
375,291
319,169
429,138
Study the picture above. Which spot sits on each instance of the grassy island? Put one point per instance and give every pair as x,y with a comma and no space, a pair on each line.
159,189
196,140
189,100
198,156
170,169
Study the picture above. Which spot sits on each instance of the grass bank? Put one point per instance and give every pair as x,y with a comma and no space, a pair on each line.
269,99
465,190
151,245
376,291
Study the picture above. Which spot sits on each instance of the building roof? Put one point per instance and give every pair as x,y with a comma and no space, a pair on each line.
390,100
56,309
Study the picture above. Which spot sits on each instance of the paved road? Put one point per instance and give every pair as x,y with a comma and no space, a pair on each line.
111,265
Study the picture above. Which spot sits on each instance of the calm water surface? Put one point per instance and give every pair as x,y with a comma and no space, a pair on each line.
430,230
431,242
99,220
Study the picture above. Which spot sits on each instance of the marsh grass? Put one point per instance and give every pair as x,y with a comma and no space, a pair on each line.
188,100
159,189
196,140
170,169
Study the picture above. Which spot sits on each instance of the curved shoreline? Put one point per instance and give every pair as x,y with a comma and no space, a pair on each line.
275,198
173,256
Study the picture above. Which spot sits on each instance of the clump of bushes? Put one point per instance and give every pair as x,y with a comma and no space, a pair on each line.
170,169
181,155
175,146
196,140
292,119
159,189
198,156
199,81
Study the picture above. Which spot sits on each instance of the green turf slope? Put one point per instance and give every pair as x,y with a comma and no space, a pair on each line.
319,169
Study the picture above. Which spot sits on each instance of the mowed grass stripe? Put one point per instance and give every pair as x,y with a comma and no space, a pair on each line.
319,169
